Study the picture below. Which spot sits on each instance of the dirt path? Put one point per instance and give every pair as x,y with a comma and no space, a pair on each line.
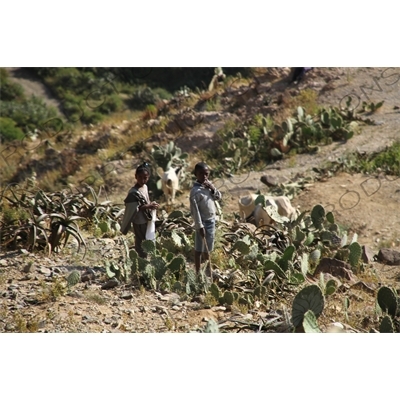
33,86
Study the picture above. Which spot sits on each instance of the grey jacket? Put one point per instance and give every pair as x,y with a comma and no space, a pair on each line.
202,204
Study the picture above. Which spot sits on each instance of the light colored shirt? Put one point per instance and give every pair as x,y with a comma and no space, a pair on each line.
202,204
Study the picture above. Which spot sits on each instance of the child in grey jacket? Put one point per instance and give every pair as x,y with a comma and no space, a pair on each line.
202,208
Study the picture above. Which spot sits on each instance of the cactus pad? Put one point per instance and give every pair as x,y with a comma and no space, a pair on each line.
315,255
387,300
215,291
241,246
228,298
309,298
310,324
386,325
73,278
318,216
355,254
149,246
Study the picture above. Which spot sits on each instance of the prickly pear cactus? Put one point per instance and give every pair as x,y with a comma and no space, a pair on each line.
309,298
272,265
241,246
260,292
298,236
176,264
309,239
214,289
149,246
315,255
73,278
318,216
310,323
330,218
228,298
330,287
211,327
288,253
387,301
386,325
190,281
355,254
304,264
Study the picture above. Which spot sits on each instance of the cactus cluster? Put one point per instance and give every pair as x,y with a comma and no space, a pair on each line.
261,139
169,155
158,267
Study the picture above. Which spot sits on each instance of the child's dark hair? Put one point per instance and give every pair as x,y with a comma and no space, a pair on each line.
200,166
145,167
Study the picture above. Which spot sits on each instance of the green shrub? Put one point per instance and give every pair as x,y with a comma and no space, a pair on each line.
28,114
91,117
162,93
142,97
9,91
387,160
8,130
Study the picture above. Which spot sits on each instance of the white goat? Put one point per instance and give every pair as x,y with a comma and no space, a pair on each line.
170,183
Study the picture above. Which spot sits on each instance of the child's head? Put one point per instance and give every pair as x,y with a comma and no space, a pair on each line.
142,174
201,171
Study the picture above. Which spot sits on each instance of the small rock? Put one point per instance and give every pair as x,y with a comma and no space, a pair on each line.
364,287
335,267
12,287
45,271
112,283
175,308
172,298
219,308
24,251
126,295
389,256
27,277
336,327
88,275
75,294
367,255
269,180
28,267
199,299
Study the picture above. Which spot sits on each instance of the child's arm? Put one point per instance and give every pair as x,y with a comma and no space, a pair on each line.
131,210
215,193
194,210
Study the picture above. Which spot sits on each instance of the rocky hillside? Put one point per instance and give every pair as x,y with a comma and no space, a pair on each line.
33,286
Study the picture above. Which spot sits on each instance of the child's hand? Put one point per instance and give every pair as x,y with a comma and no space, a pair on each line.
209,185
154,205
202,232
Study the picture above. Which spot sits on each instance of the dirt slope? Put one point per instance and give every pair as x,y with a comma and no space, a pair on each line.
33,86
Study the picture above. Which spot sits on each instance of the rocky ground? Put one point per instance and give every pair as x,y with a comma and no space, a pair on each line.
32,294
